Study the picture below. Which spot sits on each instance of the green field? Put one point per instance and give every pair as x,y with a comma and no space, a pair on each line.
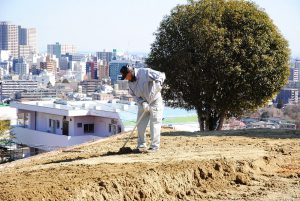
170,120
3,104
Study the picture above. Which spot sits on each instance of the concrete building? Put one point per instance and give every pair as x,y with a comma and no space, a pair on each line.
122,84
5,68
54,49
294,74
102,96
36,94
51,64
103,70
90,86
25,51
288,96
64,63
48,125
105,56
66,48
1,73
22,69
22,35
91,70
44,78
27,39
9,38
32,39
296,71
10,87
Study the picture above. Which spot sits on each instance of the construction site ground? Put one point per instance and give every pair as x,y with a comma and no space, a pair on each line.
225,165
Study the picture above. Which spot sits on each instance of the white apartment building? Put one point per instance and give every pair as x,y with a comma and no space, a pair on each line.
49,125
10,87
44,78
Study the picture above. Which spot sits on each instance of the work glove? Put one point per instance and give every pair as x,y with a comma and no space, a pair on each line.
146,107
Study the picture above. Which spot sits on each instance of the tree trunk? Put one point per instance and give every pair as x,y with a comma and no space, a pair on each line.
221,121
200,120
212,122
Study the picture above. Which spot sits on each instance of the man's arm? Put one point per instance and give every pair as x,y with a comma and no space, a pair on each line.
156,76
138,100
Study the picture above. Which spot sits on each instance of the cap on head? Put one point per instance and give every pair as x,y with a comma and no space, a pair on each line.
125,70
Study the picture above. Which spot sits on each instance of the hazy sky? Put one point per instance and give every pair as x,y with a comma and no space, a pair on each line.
94,25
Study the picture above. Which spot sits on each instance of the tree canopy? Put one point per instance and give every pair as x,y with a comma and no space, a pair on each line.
221,57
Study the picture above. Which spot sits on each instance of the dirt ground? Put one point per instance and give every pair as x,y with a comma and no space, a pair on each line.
227,165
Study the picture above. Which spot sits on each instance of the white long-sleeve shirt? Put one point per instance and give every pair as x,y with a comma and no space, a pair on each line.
147,85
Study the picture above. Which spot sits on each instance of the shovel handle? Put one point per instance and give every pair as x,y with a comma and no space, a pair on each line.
137,123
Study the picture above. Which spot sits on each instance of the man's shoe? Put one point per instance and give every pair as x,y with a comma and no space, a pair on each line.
142,148
152,150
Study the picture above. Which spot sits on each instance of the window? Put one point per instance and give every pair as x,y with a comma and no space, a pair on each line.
88,128
112,128
49,122
57,123
79,125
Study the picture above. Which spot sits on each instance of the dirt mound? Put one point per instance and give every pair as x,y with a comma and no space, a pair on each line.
237,165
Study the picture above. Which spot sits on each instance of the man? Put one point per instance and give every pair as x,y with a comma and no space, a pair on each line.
145,85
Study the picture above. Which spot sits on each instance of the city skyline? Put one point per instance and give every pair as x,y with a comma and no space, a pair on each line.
127,25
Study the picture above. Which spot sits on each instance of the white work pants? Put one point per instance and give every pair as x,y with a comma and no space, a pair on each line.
155,116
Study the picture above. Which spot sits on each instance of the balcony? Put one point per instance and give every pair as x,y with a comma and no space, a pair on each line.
48,141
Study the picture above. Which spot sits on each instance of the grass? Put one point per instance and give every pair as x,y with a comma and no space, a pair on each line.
3,104
171,120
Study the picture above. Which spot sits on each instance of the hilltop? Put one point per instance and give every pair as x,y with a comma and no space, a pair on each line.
227,165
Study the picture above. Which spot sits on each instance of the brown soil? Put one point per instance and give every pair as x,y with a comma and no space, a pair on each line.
233,165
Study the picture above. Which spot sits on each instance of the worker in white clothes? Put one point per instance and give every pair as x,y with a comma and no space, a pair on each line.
145,85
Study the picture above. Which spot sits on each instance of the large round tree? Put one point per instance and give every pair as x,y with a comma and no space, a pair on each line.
221,57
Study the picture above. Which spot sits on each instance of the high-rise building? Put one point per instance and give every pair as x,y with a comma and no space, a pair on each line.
27,41
22,68
3,36
32,38
297,71
114,54
103,71
66,48
51,65
25,51
288,96
22,35
64,63
13,36
106,56
9,38
91,70
54,49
